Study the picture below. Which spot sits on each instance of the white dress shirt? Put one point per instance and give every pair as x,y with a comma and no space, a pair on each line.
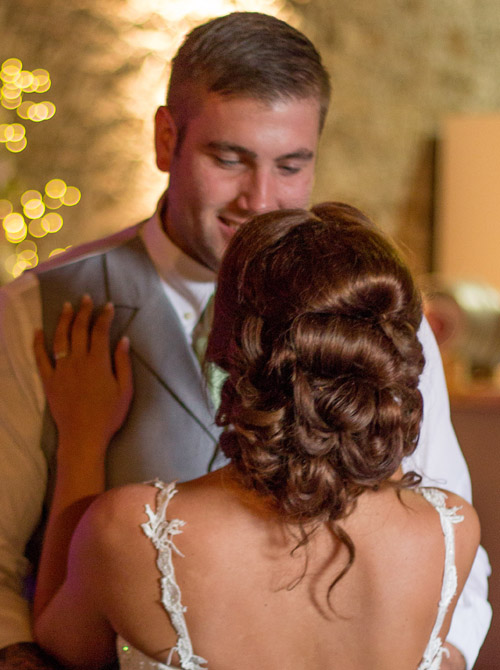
188,286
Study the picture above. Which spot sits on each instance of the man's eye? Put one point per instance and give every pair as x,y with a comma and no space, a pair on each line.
289,169
227,162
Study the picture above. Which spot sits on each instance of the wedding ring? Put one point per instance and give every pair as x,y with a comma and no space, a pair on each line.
60,354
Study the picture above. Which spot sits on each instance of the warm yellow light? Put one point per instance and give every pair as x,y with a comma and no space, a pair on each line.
30,195
9,78
25,79
5,208
35,228
52,222
43,88
15,132
50,107
10,91
55,188
28,246
17,236
42,76
26,252
11,69
12,104
32,88
42,80
10,263
28,257
13,223
41,111
19,268
16,147
59,250
36,112
24,108
16,266
12,65
188,12
52,203
72,196
34,209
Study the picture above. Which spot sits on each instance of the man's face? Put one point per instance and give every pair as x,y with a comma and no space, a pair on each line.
239,157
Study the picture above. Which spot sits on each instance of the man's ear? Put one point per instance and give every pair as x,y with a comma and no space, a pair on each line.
165,138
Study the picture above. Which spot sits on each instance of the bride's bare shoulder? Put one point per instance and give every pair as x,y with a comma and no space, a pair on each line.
118,503
113,521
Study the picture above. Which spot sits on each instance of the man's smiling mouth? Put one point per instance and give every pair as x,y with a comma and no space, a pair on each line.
230,223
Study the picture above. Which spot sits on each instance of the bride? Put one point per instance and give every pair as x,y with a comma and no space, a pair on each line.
311,550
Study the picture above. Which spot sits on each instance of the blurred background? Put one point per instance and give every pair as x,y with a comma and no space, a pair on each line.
412,138
400,69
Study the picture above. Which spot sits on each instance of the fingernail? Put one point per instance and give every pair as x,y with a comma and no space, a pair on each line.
86,298
67,307
125,343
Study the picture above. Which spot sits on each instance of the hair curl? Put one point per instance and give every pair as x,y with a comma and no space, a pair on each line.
315,322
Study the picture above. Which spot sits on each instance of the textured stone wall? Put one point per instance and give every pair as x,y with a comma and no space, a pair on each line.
398,67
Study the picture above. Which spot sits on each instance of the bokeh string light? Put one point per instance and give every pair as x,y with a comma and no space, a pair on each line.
16,85
34,217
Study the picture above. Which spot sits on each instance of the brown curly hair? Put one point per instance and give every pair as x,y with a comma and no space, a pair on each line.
315,322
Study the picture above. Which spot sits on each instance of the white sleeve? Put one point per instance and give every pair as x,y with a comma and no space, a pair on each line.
22,463
439,460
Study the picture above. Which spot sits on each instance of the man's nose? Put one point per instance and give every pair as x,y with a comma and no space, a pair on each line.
258,193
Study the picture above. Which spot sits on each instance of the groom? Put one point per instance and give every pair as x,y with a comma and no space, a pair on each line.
247,100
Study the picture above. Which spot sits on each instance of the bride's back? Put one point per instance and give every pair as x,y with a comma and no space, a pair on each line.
253,602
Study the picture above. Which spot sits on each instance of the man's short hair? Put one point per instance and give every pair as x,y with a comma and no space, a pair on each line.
246,54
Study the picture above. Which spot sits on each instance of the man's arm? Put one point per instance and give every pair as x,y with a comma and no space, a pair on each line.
22,464
439,459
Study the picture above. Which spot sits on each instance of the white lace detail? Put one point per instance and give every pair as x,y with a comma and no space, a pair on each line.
161,533
435,651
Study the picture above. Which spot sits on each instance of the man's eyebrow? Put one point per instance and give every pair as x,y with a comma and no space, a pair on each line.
300,154
232,148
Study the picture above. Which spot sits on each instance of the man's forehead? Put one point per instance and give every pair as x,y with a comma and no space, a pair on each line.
197,99
269,103
224,119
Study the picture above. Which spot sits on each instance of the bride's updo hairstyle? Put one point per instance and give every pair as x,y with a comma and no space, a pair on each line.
315,322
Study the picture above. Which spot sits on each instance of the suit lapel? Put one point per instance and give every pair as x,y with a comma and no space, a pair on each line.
145,315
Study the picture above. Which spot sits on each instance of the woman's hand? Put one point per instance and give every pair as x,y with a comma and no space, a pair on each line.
88,400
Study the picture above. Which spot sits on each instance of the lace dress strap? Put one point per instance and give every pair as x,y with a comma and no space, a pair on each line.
161,532
434,652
